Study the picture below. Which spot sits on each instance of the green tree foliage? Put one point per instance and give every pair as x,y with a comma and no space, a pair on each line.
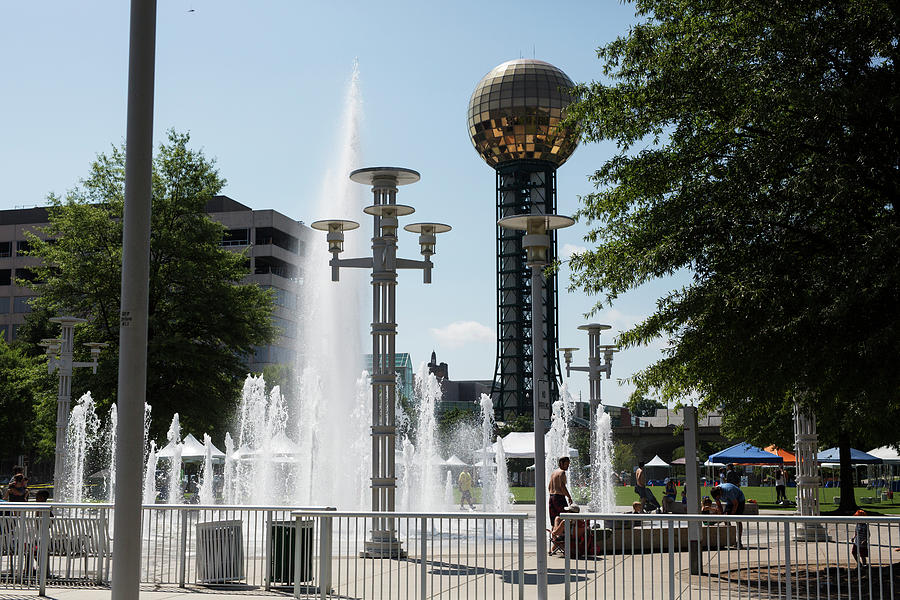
758,151
203,322
623,457
642,406
520,423
27,405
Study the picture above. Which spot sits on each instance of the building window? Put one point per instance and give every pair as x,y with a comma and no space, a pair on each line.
5,249
22,247
283,298
5,276
26,275
276,237
21,305
236,237
4,305
271,265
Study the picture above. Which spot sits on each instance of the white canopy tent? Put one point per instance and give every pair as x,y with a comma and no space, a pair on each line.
454,461
191,450
887,454
520,444
656,462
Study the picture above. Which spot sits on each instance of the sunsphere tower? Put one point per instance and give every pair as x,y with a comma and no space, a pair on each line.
514,121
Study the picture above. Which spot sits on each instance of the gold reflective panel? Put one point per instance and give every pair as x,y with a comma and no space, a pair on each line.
515,110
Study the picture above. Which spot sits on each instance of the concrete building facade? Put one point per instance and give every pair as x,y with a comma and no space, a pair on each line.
274,242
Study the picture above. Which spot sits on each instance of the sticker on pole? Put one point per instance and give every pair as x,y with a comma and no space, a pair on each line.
126,319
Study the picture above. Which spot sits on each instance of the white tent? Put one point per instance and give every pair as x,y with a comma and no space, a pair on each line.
191,450
520,444
656,462
887,454
454,461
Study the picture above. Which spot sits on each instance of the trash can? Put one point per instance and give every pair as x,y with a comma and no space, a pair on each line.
282,552
220,552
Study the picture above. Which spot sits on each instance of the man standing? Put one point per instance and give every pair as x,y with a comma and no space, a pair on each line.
465,489
734,503
640,488
559,491
731,476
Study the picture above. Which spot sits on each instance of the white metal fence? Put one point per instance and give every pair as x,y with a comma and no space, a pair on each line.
673,557
422,555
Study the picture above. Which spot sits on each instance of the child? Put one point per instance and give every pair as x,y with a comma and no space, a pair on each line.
637,508
860,541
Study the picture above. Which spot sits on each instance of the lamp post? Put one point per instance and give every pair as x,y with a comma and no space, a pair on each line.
384,265
537,243
600,359
59,353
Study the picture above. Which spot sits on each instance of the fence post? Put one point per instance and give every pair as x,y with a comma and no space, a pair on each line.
324,558
43,552
297,550
423,552
182,551
521,559
787,560
267,549
671,545
568,566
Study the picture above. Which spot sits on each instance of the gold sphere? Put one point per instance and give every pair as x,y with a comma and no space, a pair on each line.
515,111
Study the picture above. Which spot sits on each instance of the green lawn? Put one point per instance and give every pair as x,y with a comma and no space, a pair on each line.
765,496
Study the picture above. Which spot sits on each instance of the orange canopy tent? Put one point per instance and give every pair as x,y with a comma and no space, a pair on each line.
788,458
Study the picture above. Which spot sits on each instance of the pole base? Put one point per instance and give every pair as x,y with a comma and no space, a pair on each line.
811,532
383,545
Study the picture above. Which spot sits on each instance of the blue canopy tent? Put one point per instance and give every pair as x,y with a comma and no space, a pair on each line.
857,457
745,454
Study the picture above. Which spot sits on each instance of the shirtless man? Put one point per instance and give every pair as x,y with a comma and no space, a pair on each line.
558,489
640,488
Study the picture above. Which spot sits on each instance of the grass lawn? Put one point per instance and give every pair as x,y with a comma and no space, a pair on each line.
765,496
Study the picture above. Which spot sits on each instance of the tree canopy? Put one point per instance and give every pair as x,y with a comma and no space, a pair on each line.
27,405
203,322
642,406
758,154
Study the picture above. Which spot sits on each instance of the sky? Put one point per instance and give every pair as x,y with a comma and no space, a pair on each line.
260,86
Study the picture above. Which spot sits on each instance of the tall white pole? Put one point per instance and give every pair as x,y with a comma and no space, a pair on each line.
540,489
132,391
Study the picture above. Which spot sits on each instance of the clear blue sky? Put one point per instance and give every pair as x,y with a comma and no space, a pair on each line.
260,87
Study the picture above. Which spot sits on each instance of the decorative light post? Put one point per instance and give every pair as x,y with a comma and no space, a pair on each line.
597,354
806,447
384,264
59,353
537,243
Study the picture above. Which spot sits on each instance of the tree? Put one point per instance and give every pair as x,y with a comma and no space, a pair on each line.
27,405
757,155
623,457
641,406
203,322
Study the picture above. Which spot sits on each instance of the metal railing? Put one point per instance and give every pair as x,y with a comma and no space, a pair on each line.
673,557
413,555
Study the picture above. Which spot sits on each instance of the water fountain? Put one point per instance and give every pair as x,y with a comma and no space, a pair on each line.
109,440
175,494
207,490
81,436
557,444
603,498
150,492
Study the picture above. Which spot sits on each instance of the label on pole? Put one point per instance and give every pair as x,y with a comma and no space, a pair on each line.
125,319
544,410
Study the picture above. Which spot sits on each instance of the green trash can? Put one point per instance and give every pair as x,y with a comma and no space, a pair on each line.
282,548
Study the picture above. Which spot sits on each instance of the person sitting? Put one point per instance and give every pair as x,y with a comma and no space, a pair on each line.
670,494
707,508
18,489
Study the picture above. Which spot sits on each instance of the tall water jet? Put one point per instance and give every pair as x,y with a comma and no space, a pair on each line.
207,490
150,475
486,452
228,492
449,502
557,440
110,452
330,346
501,497
603,497
81,435
175,493
422,482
